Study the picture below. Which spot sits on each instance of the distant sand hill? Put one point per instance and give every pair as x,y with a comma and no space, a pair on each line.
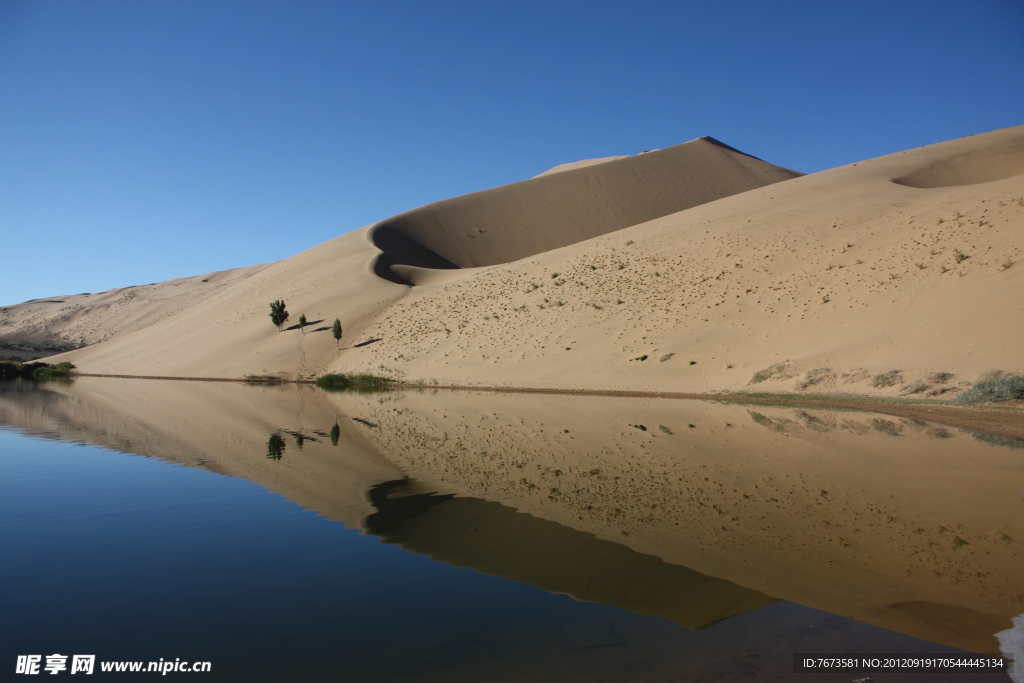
692,268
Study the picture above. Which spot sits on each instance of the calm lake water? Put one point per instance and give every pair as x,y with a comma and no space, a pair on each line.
282,533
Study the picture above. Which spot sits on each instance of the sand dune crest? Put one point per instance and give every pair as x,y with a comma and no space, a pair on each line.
515,221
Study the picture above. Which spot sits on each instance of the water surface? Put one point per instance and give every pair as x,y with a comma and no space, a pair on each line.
283,533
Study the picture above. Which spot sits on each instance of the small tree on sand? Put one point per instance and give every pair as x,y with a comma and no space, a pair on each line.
277,313
302,323
336,331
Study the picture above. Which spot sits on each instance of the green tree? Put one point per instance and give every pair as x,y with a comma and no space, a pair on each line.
302,323
336,331
275,446
277,313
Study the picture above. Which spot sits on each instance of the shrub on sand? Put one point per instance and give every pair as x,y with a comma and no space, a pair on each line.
992,376
815,376
58,371
778,371
1007,388
886,379
360,382
916,387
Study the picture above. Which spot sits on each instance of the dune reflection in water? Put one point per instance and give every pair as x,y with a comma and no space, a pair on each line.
691,511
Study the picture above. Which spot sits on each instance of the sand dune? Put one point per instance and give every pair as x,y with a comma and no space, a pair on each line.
817,283
693,268
577,164
553,210
43,327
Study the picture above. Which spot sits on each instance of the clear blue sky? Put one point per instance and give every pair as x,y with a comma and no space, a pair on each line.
142,141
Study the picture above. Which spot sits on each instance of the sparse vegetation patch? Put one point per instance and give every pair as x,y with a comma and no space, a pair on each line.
855,375
993,375
37,370
886,379
916,387
815,376
778,371
357,382
1007,388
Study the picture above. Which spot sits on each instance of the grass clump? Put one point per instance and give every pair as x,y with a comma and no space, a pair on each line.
780,371
918,386
777,371
886,379
815,376
336,381
1007,388
855,375
992,376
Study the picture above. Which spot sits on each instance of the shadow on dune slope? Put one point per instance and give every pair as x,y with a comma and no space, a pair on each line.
970,168
554,210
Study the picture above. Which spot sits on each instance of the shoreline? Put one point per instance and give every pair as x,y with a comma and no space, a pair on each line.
1006,421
